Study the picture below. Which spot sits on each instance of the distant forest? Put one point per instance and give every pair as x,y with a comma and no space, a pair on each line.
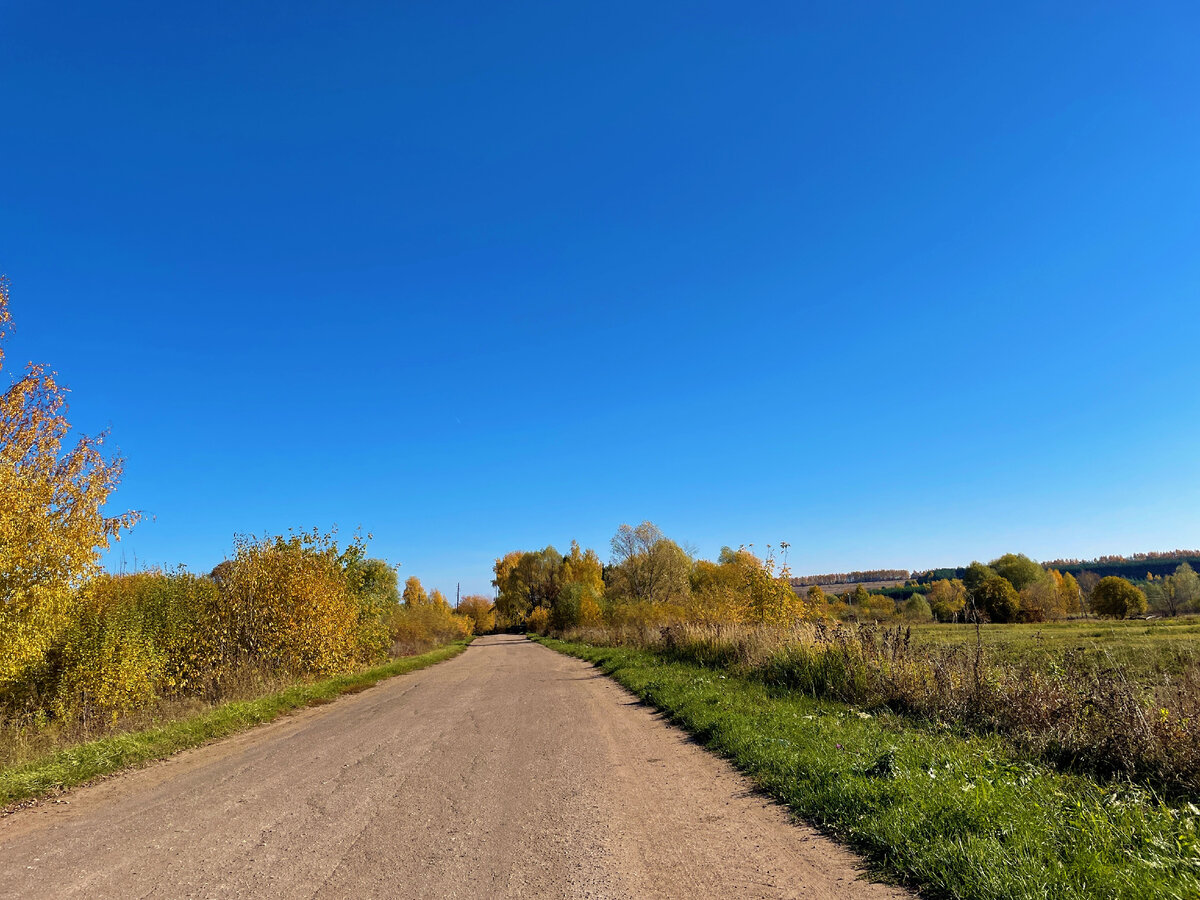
1135,567
852,577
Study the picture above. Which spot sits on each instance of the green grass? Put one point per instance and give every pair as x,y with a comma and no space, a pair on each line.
83,762
1145,649
957,816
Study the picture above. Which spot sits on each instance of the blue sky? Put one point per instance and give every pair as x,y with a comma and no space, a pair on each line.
902,284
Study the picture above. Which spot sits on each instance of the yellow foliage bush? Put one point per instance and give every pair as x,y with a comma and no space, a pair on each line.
480,611
417,628
423,621
538,621
287,600
109,663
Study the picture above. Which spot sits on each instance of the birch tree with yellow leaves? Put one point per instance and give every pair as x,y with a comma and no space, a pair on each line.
52,521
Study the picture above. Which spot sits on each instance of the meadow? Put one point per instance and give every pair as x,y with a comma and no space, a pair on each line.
1144,649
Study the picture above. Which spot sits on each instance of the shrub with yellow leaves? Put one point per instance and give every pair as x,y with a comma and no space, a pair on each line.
287,600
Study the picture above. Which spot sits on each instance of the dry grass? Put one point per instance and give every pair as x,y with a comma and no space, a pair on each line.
27,737
1079,707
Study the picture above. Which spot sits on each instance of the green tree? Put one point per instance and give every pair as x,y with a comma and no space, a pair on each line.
374,578
860,597
999,599
1187,588
1019,569
374,583
917,609
1116,597
974,577
1087,582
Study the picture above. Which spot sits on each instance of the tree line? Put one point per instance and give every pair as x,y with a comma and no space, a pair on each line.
649,580
1015,588
851,577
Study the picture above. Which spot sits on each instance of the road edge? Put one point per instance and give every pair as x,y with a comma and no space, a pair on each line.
61,770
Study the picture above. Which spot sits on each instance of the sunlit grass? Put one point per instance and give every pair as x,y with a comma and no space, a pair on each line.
958,816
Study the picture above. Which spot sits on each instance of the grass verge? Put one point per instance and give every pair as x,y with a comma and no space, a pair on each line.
83,762
955,815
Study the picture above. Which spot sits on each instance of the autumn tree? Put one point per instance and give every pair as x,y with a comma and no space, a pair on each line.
716,593
512,603
525,582
1116,597
947,598
1069,590
648,567
768,595
1176,593
287,601
581,591
52,522
478,609
859,598
415,595
1051,597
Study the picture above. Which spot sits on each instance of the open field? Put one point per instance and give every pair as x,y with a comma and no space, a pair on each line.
1144,649
841,587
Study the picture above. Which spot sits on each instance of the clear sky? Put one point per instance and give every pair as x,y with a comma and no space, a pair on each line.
903,284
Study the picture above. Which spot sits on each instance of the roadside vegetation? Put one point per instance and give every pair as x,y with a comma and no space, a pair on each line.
1081,698
81,762
86,654
955,814
1042,741
1077,709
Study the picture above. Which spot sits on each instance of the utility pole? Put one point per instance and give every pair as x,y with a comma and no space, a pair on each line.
457,595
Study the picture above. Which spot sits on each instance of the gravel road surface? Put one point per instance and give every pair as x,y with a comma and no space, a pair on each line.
509,771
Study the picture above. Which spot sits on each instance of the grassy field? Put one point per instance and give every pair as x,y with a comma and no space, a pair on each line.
1145,649
957,815
74,765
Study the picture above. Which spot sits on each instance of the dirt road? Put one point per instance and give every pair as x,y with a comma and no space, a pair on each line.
510,771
